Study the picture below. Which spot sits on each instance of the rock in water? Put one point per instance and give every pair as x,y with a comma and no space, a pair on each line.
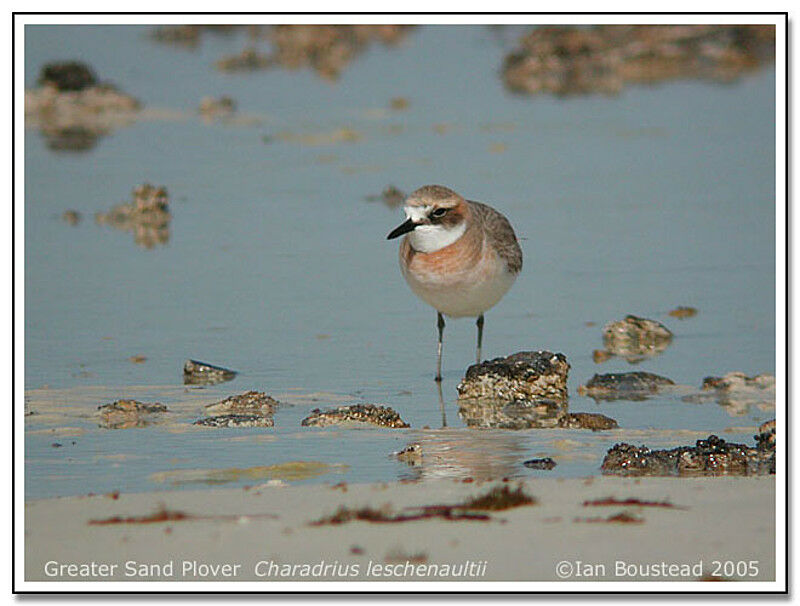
624,386
370,414
147,215
546,463
201,373
737,392
523,376
250,409
525,390
587,420
237,420
72,109
125,414
251,402
712,456
69,75
635,338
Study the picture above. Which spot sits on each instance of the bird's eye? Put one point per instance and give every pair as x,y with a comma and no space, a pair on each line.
439,212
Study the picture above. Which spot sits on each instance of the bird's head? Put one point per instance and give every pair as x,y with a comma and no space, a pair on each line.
436,216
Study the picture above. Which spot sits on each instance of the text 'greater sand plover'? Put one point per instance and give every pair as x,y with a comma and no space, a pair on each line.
458,256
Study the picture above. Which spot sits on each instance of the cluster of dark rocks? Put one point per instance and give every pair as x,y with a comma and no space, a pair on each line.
712,456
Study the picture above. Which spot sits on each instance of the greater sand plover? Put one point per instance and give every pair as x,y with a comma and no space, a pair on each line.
458,256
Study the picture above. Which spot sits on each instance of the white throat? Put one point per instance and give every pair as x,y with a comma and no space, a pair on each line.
428,238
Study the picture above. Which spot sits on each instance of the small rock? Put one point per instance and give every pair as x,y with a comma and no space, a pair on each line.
738,381
201,373
683,312
125,414
147,215
523,376
587,420
236,420
137,359
251,402
737,392
71,217
411,454
545,464
68,76
213,108
391,197
635,338
624,386
73,110
247,60
399,103
382,416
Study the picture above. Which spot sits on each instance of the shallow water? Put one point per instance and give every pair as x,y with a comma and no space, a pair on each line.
277,266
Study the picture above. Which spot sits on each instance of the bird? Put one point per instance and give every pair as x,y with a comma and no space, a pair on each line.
460,257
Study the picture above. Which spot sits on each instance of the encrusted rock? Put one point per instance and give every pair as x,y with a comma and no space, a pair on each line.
382,416
587,420
146,215
737,392
125,414
624,386
237,420
546,463
251,402
201,373
712,456
72,109
69,75
523,376
635,338
738,381
411,454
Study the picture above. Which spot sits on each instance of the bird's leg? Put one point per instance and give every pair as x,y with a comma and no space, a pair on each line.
441,403
440,325
480,336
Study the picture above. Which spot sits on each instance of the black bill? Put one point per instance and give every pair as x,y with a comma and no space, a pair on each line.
398,231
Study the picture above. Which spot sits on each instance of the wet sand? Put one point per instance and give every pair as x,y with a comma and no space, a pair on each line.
260,530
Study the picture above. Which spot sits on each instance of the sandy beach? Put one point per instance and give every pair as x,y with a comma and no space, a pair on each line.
681,530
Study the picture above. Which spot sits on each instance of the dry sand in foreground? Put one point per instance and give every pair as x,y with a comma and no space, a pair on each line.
264,533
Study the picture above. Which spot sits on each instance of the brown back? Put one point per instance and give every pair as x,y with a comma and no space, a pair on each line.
500,234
